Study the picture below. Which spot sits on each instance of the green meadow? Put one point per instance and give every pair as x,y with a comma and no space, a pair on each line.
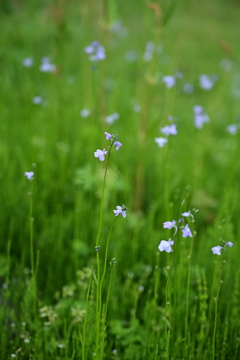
120,180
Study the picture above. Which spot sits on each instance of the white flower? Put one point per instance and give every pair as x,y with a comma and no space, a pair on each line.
28,62
29,174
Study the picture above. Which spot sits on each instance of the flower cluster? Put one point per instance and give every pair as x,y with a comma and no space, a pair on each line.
96,51
186,231
114,142
217,250
200,117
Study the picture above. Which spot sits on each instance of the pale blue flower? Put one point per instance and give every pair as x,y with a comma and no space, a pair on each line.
169,224
96,50
120,210
100,154
29,174
169,130
108,136
217,250
161,141
186,214
110,119
117,144
186,231
169,81
232,129
28,62
166,245
85,113
46,65
229,243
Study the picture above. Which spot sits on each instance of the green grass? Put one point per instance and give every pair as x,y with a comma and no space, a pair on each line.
153,312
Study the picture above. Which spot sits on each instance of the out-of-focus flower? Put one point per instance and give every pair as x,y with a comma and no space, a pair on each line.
169,130
206,82
188,88
229,243
96,51
169,81
28,62
46,65
108,136
85,113
29,174
110,119
232,129
37,100
200,117
186,214
161,141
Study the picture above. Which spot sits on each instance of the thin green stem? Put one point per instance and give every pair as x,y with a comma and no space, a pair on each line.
167,306
216,309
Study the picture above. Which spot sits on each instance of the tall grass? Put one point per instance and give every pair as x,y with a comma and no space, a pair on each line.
59,297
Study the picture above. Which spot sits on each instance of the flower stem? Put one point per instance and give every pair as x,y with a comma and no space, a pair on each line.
216,309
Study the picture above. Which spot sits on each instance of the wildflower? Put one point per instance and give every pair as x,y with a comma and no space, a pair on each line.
206,82
169,81
29,174
110,119
108,136
37,100
120,210
85,113
96,50
188,88
100,154
97,248
28,62
169,224
200,117
186,214
232,129
166,245
136,108
169,130
148,55
46,65
186,231
217,250
117,144
161,141
229,243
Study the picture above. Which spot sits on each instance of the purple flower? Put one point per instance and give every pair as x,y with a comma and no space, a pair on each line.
28,62
100,154
96,50
166,245
110,119
161,141
205,82
186,231
169,130
117,144
120,210
29,174
169,81
186,214
169,224
46,65
232,129
200,117
229,243
108,136
217,250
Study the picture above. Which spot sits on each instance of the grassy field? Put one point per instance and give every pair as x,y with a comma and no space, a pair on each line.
78,281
